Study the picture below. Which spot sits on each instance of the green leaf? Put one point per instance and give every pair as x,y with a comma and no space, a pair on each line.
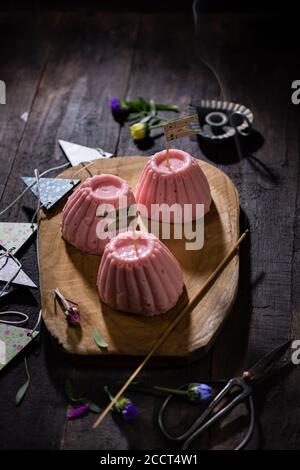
144,104
99,340
134,105
134,116
22,392
146,119
94,408
70,392
124,105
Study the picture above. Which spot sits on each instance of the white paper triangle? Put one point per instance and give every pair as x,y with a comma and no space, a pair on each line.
78,153
2,353
9,271
51,189
8,290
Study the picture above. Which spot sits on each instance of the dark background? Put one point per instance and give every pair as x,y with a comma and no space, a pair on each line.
231,6
61,62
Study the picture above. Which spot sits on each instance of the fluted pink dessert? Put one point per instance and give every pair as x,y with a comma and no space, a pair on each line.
82,220
138,274
177,180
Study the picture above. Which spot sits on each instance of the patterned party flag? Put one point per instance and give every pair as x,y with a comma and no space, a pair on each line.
6,290
12,340
181,127
10,272
2,353
51,189
13,235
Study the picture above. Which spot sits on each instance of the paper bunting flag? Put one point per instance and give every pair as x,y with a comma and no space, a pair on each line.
2,353
180,127
78,153
51,189
8,290
14,235
12,340
9,271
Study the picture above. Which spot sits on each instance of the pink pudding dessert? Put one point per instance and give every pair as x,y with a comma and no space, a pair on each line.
85,221
173,177
138,274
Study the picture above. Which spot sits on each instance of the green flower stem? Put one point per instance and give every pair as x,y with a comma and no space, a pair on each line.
166,107
116,406
157,126
141,387
173,391
142,105
106,389
79,399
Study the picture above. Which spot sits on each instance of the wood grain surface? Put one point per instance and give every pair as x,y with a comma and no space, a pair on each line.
75,273
62,69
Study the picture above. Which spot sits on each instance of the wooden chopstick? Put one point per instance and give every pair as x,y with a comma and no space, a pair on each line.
188,308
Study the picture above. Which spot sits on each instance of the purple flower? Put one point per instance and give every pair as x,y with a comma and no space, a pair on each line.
124,406
129,411
115,106
78,411
199,392
119,109
73,315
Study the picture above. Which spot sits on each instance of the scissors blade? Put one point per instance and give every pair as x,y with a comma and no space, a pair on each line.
265,365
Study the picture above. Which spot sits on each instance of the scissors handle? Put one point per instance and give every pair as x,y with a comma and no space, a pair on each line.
207,418
216,417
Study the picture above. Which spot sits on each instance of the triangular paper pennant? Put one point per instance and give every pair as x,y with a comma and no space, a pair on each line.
13,235
2,353
8,290
79,154
9,272
12,340
51,189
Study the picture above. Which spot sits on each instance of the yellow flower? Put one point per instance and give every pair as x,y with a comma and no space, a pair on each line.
139,131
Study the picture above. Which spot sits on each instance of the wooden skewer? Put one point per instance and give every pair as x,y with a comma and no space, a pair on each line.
135,243
135,246
84,167
168,164
188,308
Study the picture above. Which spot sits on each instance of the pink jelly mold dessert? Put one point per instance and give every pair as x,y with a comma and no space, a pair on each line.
138,274
177,179
86,210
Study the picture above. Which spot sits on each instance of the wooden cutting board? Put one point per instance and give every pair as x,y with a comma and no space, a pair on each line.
130,336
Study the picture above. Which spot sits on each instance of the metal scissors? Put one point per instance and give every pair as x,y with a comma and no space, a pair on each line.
243,384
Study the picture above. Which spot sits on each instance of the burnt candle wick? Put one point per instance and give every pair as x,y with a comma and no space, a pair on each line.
135,244
168,164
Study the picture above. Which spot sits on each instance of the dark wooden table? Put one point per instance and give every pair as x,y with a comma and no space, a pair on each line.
62,68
